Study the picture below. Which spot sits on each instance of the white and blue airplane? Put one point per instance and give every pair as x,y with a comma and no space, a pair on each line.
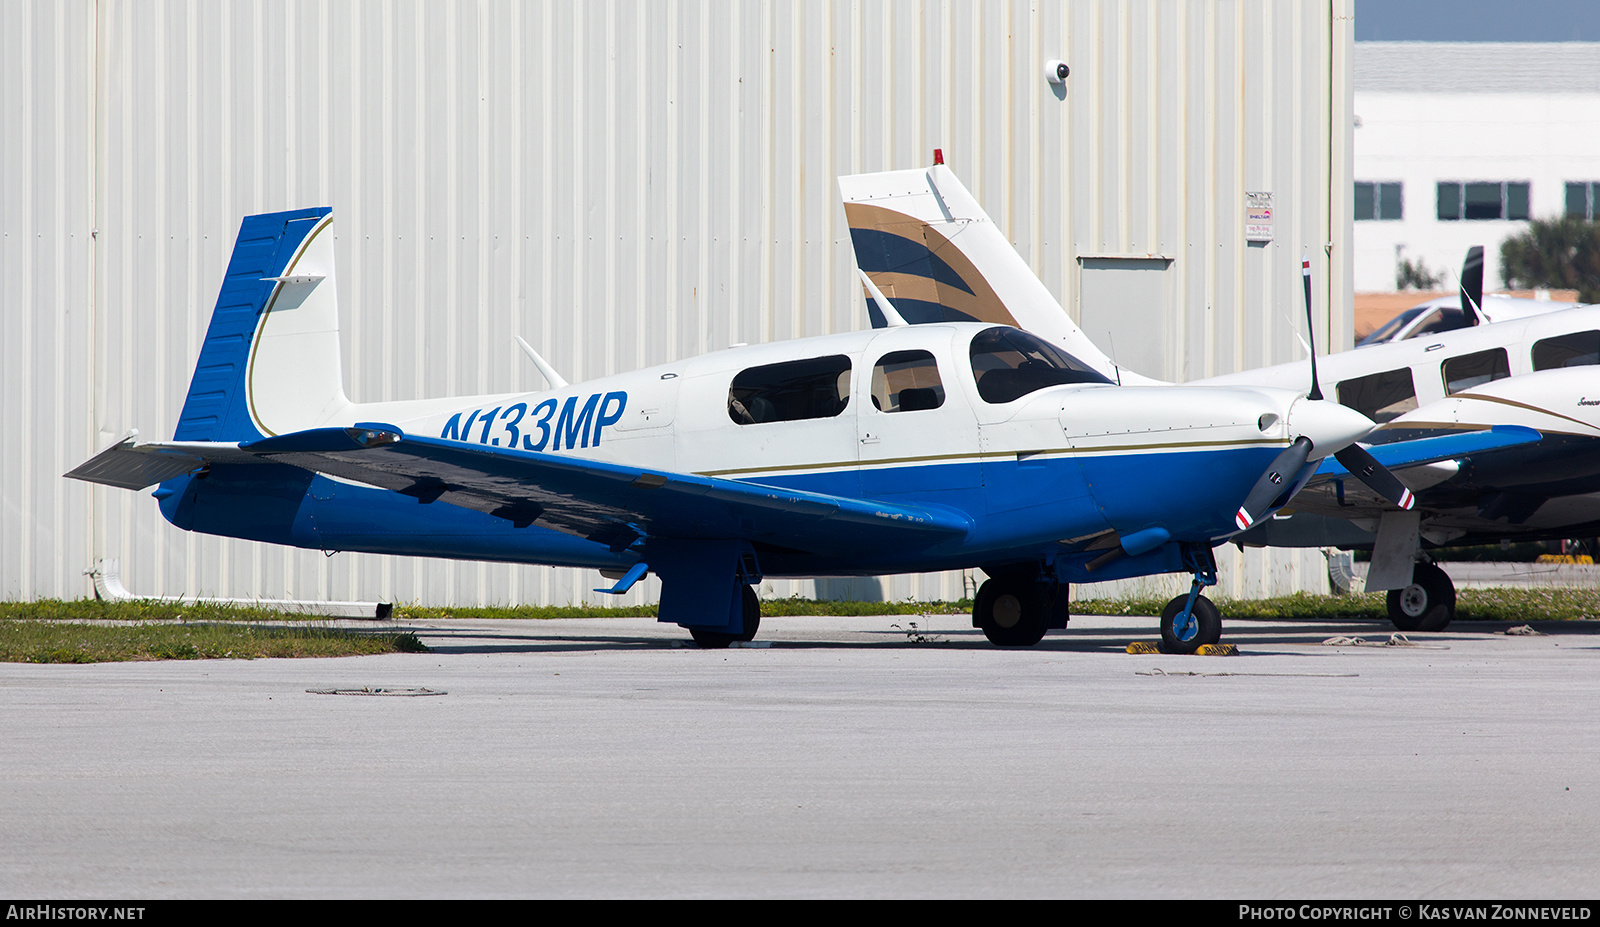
1469,306
1530,379
904,449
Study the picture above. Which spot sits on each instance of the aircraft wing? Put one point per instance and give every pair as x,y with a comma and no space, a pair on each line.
1419,463
605,502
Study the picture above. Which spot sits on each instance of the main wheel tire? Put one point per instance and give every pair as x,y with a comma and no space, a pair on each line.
1011,612
717,640
752,615
1427,604
1206,628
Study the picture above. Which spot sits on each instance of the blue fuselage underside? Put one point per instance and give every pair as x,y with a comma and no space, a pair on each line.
1031,509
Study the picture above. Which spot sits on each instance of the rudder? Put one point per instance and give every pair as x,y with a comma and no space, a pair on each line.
270,360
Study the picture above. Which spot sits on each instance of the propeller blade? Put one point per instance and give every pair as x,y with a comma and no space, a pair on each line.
1279,477
1364,467
1472,285
1311,328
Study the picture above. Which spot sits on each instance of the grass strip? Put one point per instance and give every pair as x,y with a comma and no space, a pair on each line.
26,641
93,631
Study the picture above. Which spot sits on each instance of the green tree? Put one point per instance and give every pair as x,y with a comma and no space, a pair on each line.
1409,276
1558,254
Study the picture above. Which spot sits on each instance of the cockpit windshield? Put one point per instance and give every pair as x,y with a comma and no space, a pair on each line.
1389,328
1009,363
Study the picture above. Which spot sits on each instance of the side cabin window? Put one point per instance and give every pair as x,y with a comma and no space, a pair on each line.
1381,397
817,387
1009,363
1579,349
906,381
1471,370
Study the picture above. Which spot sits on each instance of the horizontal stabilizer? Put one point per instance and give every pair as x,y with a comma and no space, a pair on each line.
129,464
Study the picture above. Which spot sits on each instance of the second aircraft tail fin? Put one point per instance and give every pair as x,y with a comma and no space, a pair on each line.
931,249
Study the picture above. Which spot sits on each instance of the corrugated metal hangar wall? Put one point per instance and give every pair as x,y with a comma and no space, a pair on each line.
623,184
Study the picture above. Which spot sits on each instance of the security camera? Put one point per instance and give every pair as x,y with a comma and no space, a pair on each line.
1056,71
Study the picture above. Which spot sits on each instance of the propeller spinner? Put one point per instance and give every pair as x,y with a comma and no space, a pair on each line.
1329,422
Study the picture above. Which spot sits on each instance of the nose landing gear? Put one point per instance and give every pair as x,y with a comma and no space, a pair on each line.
1427,603
1191,621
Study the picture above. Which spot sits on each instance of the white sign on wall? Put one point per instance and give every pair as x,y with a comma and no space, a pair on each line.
1258,216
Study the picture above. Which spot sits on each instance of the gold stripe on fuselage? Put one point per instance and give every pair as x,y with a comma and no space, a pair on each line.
1053,452
1523,405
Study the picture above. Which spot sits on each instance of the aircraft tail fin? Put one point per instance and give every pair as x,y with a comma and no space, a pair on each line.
270,362
932,250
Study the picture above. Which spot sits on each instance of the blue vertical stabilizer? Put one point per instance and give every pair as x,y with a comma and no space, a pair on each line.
217,406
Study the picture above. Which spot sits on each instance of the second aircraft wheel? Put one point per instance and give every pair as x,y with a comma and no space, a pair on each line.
1205,628
1427,604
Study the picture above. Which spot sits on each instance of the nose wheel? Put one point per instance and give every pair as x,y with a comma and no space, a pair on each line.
1427,604
1186,633
1191,621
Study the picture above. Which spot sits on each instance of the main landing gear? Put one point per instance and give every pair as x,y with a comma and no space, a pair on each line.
1427,604
1016,608
1191,621
721,639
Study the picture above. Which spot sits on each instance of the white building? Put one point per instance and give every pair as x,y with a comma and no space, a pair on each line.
624,184
1460,143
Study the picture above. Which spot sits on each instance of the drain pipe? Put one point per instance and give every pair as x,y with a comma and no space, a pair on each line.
107,575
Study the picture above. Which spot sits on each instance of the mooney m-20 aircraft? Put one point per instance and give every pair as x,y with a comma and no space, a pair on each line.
919,236
905,449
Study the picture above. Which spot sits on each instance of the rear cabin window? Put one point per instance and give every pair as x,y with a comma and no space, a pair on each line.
1381,397
818,387
1009,363
1579,349
1471,370
907,381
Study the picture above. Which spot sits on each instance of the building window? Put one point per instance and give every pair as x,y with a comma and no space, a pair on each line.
1580,199
1483,200
1378,200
